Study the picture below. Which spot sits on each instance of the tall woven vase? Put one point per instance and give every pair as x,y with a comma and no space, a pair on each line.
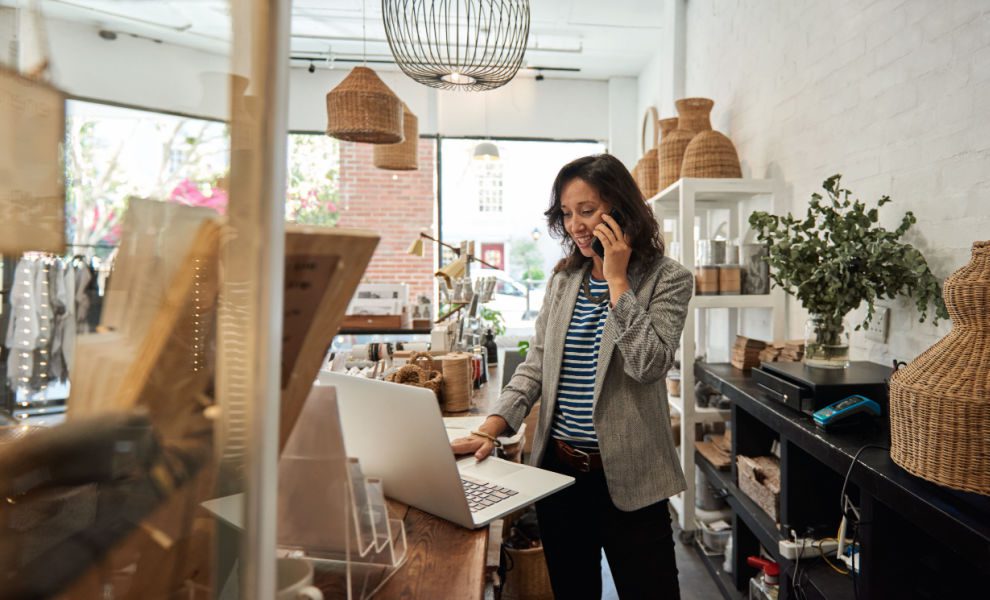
692,118
710,153
940,403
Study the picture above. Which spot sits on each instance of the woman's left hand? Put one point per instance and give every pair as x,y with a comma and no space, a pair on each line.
617,250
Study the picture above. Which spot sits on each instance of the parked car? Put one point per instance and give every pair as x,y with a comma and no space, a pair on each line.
510,297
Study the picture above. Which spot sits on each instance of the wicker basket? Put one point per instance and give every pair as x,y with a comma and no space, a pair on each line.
526,576
363,109
649,165
693,117
403,156
419,372
940,403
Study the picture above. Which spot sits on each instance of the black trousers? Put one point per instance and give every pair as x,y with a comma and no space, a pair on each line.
579,521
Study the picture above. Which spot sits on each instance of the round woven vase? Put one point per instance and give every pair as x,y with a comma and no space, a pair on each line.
692,118
363,109
403,156
940,403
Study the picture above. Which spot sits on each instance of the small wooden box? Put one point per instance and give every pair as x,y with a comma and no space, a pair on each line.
759,478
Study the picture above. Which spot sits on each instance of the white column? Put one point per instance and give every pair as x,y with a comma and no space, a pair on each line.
623,122
250,332
674,55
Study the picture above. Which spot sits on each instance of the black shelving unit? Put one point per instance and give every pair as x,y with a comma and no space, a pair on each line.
917,539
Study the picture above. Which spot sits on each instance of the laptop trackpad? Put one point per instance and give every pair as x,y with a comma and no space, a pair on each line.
487,469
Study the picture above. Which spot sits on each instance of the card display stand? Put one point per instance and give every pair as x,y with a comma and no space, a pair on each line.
329,513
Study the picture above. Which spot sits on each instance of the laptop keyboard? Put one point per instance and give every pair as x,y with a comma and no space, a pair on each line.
482,494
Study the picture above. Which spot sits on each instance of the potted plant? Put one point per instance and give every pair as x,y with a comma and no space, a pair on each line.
837,257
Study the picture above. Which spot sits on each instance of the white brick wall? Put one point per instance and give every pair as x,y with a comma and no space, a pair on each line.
893,94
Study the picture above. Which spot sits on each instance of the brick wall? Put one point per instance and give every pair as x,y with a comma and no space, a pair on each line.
893,94
398,205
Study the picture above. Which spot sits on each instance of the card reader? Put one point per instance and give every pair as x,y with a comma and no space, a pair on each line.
845,408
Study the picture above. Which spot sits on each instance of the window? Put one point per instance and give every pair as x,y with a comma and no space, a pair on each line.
499,205
489,186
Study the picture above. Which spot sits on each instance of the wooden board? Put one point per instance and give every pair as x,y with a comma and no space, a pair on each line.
32,194
322,269
158,355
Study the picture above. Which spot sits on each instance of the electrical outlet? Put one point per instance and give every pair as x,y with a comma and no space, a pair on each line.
877,331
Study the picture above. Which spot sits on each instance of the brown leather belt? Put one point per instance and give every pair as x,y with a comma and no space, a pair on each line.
577,459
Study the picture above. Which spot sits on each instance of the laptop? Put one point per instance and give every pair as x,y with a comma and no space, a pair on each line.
397,433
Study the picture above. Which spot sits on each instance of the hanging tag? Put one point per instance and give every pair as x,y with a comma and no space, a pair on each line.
32,175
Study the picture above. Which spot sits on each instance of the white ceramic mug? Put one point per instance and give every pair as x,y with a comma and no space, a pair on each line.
295,580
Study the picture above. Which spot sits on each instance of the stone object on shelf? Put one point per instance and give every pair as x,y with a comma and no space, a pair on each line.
759,478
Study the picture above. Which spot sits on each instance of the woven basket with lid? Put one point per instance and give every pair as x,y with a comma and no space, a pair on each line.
940,403
363,109
403,156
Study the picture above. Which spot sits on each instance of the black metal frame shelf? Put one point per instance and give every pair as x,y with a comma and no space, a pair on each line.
758,521
902,516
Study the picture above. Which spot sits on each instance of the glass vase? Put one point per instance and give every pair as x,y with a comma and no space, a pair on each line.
826,342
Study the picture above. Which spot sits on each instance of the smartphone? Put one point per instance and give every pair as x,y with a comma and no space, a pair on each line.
597,244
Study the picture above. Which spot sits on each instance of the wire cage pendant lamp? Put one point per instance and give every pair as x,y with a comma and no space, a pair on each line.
471,45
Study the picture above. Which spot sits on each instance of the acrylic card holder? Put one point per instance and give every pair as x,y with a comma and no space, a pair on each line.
330,513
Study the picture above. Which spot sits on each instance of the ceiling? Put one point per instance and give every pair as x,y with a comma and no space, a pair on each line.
585,39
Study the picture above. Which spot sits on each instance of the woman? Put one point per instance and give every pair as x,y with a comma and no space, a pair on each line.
605,339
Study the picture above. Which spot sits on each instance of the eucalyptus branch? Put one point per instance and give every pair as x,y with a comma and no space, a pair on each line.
839,256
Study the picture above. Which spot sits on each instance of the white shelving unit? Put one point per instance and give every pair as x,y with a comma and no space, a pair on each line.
710,200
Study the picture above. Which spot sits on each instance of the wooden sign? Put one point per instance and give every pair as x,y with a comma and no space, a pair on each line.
32,190
322,269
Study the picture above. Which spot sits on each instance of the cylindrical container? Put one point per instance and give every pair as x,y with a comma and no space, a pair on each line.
706,280
729,279
731,253
709,252
704,494
756,270
457,381
674,383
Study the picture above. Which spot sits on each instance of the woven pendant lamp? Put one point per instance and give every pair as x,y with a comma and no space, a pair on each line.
403,156
363,109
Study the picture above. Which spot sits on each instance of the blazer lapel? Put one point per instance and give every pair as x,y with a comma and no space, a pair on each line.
556,332
609,334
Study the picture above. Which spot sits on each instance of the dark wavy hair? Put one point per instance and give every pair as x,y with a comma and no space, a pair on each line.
615,185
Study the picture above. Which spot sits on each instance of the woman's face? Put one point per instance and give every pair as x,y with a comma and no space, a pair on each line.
583,209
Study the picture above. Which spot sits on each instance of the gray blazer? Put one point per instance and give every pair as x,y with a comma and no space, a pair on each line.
631,416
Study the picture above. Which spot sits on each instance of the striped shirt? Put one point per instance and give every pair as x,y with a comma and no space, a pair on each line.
575,394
